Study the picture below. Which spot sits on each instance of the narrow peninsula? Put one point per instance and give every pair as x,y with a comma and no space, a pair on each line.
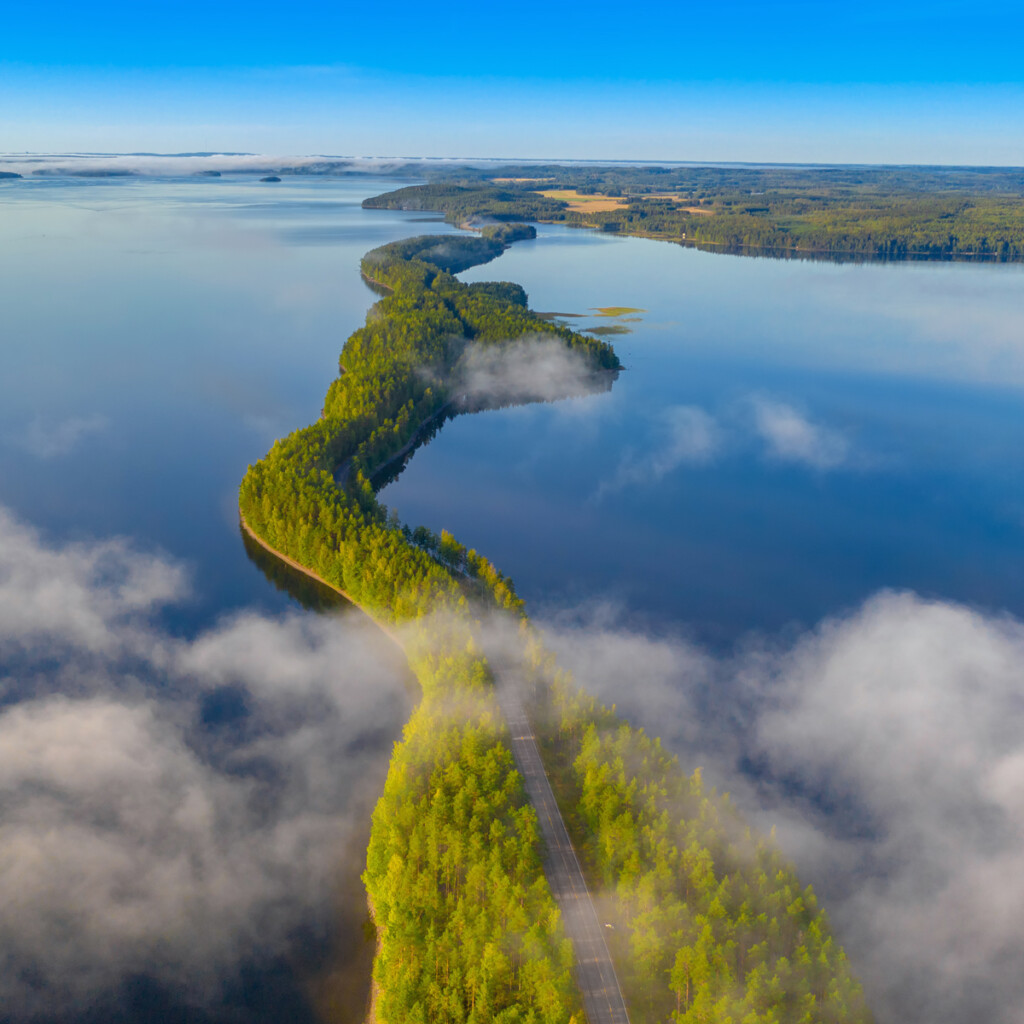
710,924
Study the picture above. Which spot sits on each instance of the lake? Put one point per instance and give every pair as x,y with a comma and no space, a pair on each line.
858,428
787,439
158,335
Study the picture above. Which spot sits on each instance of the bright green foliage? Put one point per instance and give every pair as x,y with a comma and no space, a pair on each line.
397,374
467,927
472,933
714,926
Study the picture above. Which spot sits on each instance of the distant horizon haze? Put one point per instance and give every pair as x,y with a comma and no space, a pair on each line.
138,162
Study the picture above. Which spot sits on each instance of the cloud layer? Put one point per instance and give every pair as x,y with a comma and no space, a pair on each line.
172,809
685,435
161,164
888,747
176,808
533,368
792,437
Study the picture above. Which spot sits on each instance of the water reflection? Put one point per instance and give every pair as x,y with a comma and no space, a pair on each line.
311,594
338,971
159,334
469,402
859,432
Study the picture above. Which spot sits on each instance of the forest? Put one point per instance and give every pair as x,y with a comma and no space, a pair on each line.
711,923
832,213
714,926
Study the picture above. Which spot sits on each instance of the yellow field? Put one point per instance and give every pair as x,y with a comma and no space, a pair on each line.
587,204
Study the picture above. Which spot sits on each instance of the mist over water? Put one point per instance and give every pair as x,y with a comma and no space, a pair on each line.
190,759
789,541
787,538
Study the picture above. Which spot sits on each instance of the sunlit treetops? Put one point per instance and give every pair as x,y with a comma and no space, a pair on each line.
713,930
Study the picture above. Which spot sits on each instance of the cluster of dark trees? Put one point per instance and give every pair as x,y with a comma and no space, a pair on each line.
837,213
894,227
711,924
708,181
713,927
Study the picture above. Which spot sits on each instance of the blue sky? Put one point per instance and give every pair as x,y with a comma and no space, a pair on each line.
869,82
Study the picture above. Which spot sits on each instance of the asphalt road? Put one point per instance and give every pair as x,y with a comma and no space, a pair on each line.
595,975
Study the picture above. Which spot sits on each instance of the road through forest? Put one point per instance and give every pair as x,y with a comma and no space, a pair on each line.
595,975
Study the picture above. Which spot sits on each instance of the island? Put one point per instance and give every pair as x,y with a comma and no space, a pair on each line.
705,919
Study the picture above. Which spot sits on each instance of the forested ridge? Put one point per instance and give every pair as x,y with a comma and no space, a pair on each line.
712,924
467,927
841,213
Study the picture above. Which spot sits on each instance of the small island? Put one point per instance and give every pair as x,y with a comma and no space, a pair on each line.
9,174
270,177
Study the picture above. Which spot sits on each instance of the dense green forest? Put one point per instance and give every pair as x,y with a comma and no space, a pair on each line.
714,928
712,923
840,213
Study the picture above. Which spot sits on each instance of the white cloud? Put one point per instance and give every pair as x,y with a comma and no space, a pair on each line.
534,368
911,713
687,435
225,163
140,834
49,441
889,746
85,595
791,437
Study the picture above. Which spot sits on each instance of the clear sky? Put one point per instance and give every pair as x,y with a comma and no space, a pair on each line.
901,82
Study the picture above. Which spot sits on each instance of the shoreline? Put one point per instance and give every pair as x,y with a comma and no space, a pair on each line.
793,252
390,634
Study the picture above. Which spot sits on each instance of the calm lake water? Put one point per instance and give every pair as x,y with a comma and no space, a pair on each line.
158,335
787,437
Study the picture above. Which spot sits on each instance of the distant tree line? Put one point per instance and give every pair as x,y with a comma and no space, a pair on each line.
829,213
